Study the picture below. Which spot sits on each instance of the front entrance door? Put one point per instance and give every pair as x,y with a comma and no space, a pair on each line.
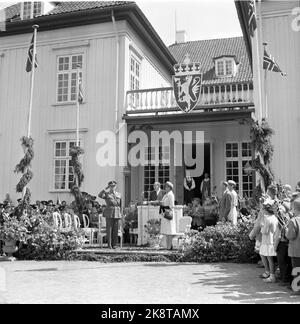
198,178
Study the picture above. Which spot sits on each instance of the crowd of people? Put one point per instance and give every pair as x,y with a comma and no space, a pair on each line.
87,205
277,233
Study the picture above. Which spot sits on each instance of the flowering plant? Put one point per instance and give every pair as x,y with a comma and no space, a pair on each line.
152,229
14,229
131,216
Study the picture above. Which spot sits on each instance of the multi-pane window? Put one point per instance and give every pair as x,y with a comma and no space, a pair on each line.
67,83
63,168
238,159
228,67
31,9
225,67
247,174
135,67
220,68
154,172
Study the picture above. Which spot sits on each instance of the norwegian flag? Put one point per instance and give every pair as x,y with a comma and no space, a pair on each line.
270,64
252,25
30,55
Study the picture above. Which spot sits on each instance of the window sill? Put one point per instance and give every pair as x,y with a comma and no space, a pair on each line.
70,103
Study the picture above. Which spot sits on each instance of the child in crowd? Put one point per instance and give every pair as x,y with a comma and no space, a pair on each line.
269,228
293,235
197,214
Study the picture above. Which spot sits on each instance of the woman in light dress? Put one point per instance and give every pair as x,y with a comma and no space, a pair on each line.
269,230
233,215
168,227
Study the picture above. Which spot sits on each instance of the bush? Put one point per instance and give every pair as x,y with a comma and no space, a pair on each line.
223,242
46,242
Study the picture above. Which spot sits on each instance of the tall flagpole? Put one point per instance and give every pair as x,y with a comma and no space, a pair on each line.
265,86
35,27
258,65
77,110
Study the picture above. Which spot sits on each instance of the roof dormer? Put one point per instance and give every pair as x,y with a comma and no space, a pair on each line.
226,66
33,9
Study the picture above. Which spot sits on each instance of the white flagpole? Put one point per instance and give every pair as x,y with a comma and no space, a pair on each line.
258,61
265,87
35,27
77,110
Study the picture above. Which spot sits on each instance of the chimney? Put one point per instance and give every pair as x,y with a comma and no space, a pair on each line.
180,36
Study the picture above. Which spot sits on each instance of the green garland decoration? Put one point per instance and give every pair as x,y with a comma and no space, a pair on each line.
75,153
27,144
24,167
261,135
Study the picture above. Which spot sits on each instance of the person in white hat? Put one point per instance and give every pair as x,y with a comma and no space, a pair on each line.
168,226
232,217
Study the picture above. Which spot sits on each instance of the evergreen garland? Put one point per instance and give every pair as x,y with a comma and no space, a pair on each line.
75,153
24,167
261,134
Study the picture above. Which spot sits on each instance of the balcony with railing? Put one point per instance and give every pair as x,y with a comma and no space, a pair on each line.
212,98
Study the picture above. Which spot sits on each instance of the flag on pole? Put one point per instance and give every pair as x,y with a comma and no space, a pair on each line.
252,25
270,64
30,55
80,92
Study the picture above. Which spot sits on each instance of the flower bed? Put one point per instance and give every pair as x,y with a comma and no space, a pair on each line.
39,239
223,242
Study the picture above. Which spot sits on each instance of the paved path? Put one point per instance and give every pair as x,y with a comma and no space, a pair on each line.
94,282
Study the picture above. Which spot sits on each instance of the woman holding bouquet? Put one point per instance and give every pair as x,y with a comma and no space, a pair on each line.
168,224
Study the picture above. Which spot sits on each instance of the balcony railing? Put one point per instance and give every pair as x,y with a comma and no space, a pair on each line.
213,97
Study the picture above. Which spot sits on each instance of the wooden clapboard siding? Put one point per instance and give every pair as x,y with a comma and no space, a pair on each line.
283,92
98,44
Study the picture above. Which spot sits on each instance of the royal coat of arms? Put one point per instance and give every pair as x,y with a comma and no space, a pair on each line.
187,84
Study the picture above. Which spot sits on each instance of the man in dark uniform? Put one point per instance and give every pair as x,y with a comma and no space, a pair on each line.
112,212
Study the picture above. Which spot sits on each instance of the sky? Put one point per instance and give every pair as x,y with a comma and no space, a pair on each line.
201,19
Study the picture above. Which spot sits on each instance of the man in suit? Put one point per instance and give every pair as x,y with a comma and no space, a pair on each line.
225,203
157,194
112,212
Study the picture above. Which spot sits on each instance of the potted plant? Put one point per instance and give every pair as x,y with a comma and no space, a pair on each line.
13,230
152,229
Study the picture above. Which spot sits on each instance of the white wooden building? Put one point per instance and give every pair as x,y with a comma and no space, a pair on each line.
127,72
114,58
278,26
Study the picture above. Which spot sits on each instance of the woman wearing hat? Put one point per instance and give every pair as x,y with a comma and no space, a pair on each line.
168,226
112,212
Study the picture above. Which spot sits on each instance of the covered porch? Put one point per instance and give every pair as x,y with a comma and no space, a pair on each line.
222,114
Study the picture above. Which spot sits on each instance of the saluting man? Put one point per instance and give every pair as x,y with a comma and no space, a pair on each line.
112,212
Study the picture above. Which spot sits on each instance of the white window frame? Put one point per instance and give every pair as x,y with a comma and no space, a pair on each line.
69,72
31,9
240,159
67,158
222,61
164,165
132,73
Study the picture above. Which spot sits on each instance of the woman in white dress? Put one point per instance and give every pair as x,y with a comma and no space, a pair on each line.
233,215
168,227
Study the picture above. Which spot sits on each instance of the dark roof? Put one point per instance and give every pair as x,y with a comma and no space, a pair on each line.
204,52
67,7
12,11
71,6
77,13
